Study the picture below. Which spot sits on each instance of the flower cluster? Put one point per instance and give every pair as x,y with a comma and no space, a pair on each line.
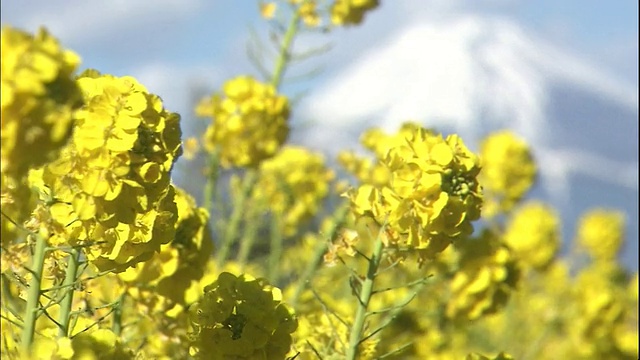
486,276
370,171
432,195
600,328
112,182
292,185
308,12
241,317
38,97
180,262
249,122
601,233
533,233
351,12
508,171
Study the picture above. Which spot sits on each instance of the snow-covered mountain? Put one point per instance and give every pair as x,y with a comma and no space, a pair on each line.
473,75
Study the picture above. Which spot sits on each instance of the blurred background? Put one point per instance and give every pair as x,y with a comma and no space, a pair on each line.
562,75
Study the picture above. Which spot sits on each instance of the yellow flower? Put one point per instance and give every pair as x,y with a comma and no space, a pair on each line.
181,261
351,12
508,171
432,195
111,183
293,184
249,122
241,317
533,233
601,233
38,97
191,148
485,278
267,9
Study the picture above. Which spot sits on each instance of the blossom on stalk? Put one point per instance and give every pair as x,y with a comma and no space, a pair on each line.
183,260
508,171
39,96
241,317
601,233
432,195
533,233
293,184
110,188
351,12
486,277
249,122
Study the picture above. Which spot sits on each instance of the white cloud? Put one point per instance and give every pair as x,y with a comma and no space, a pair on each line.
78,21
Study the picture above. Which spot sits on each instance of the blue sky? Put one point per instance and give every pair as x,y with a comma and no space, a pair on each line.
562,74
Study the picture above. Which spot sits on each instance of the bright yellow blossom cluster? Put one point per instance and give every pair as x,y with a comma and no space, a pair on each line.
533,233
601,233
38,97
351,12
293,184
241,317
601,327
250,122
171,271
508,171
340,12
372,171
432,195
486,277
112,181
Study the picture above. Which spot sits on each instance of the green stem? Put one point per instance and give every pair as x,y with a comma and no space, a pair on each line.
33,295
69,287
213,174
275,251
248,238
285,50
117,315
232,227
339,216
364,297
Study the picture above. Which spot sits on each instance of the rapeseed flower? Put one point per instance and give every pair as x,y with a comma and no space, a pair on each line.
112,182
432,195
487,275
241,317
533,233
293,184
351,12
601,233
39,95
250,122
508,171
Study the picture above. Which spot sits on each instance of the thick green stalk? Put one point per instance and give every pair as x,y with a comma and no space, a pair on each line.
285,50
212,179
232,227
364,297
68,287
275,251
33,294
249,237
117,315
